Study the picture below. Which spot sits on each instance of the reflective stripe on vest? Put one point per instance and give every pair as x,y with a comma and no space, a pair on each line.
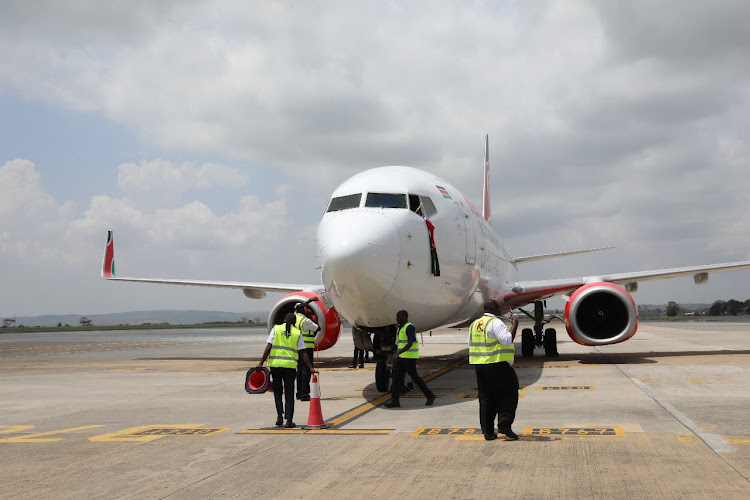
307,335
284,349
484,350
402,340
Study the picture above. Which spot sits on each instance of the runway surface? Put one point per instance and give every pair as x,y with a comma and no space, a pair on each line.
163,414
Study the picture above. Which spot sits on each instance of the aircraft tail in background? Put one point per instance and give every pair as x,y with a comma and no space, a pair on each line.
486,180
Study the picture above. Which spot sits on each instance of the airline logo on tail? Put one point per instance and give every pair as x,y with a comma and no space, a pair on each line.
108,266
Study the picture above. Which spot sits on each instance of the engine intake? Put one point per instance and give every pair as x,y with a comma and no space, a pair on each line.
600,314
324,315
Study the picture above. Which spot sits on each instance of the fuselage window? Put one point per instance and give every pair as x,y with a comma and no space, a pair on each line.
385,200
427,206
344,202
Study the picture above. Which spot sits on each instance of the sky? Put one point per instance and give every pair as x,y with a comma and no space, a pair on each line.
209,135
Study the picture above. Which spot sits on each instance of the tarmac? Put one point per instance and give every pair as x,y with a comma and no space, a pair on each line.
164,414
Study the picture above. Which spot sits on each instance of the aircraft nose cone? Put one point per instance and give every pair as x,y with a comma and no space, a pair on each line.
359,252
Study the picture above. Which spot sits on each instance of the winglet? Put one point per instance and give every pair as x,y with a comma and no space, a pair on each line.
108,265
486,180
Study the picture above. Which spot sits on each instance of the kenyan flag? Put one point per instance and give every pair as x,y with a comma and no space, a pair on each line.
444,192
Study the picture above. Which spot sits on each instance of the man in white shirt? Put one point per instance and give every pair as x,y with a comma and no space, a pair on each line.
491,352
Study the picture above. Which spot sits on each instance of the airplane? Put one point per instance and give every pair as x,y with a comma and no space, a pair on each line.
397,237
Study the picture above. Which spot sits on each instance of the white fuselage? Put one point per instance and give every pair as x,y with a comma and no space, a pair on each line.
376,260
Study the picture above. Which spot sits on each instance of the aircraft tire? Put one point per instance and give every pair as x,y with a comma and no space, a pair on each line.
527,342
382,375
550,343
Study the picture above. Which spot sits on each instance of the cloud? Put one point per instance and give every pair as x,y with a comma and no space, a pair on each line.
619,124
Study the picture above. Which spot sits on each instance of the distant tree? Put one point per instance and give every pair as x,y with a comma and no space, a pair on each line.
747,306
59,325
85,321
734,307
8,322
717,308
672,308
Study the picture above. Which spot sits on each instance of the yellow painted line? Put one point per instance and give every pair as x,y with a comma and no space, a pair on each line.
738,441
35,438
342,432
536,367
10,429
358,410
566,388
273,431
475,396
692,439
573,431
350,431
448,431
432,388
370,405
145,433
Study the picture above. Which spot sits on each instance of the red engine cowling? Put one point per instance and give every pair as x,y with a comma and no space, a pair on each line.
324,315
600,314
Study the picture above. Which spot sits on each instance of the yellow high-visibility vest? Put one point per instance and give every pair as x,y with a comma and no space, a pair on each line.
484,350
284,349
402,340
307,335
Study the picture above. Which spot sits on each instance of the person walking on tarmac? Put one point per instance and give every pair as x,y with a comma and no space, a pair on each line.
283,350
405,361
308,328
491,352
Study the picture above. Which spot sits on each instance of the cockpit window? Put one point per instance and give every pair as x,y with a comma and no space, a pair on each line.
421,205
385,200
428,206
344,202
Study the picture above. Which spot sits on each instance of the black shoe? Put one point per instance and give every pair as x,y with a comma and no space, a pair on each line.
279,421
352,366
392,404
304,398
490,437
512,436
290,424
430,400
362,366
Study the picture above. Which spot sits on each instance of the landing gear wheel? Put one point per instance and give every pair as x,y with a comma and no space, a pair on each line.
550,343
527,342
382,375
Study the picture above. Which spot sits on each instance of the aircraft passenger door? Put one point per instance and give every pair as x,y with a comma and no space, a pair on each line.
471,238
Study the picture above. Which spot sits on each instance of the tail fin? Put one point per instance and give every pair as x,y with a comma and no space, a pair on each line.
108,265
486,180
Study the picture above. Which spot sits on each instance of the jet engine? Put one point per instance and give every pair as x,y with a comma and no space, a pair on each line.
600,314
323,314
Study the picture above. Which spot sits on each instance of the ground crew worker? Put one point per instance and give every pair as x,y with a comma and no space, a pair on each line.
283,350
308,328
405,361
491,352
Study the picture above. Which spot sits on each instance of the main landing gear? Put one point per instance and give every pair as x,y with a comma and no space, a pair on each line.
536,337
383,345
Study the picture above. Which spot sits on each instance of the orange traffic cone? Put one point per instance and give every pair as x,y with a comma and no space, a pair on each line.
315,419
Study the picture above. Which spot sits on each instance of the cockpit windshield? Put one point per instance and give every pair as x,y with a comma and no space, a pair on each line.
344,202
422,205
386,200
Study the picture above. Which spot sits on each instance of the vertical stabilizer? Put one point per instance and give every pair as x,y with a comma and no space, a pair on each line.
486,180
108,265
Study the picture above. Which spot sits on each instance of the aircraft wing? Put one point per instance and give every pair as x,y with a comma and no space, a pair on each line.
525,292
252,290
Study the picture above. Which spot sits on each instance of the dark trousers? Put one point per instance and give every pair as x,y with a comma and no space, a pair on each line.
497,385
283,381
303,374
359,357
402,366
